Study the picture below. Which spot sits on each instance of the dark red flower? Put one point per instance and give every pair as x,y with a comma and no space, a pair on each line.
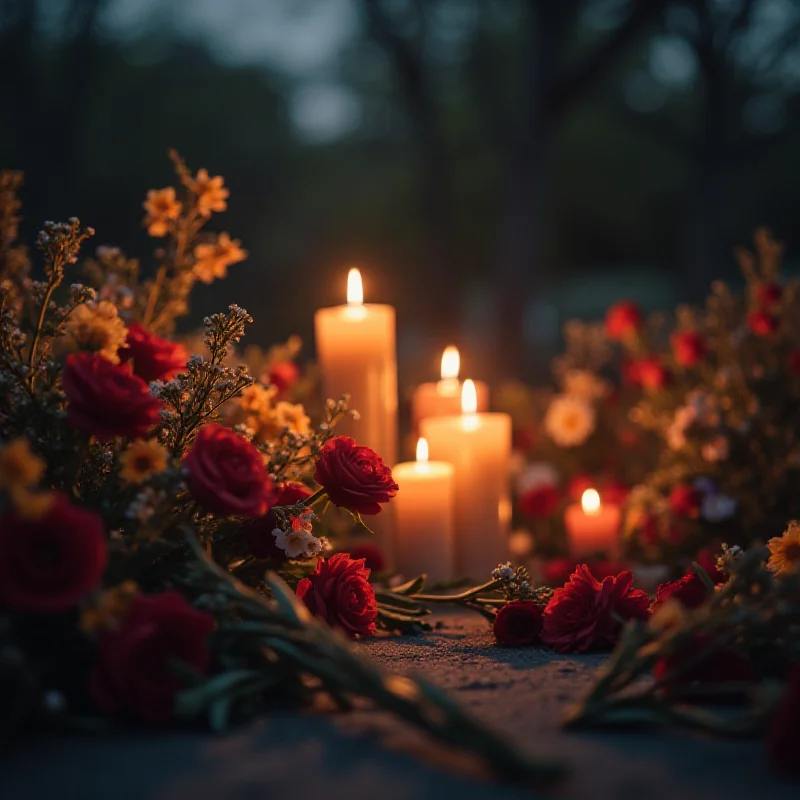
793,362
578,484
557,571
584,614
689,348
106,400
518,623
539,501
623,320
762,323
649,533
524,438
707,558
153,358
689,591
135,670
783,739
615,493
339,592
354,476
685,500
769,294
49,564
372,556
226,474
651,374
283,375
258,534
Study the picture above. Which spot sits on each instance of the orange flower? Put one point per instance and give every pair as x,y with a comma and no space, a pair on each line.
211,194
161,207
213,260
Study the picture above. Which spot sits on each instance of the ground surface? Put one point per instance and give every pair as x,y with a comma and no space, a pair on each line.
368,755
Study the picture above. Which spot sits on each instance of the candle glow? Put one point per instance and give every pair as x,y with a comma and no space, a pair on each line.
355,288
590,502
451,363
422,450
469,397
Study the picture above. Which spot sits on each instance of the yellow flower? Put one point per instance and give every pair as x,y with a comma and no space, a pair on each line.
785,551
569,420
213,260
283,416
256,400
97,328
19,467
111,607
211,194
30,505
162,207
583,383
142,459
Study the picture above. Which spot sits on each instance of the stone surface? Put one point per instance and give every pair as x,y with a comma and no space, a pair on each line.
521,692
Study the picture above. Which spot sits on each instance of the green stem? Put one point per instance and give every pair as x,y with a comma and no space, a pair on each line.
42,314
456,598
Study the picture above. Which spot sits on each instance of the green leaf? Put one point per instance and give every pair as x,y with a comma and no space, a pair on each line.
219,713
704,577
190,702
287,601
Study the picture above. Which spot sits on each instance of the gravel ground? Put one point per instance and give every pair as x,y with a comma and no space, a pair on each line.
521,692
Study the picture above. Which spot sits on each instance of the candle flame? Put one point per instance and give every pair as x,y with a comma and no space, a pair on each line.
422,450
355,289
451,363
469,397
590,502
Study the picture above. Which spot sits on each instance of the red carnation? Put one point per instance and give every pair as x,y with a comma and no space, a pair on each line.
585,613
685,500
769,294
153,358
283,375
689,348
518,623
226,474
540,501
762,323
135,670
372,556
689,591
651,374
258,534
106,400
783,739
793,362
557,571
49,564
354,476
339,592
623,320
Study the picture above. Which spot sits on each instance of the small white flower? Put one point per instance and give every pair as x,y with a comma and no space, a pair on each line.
297,543
569,420
718,507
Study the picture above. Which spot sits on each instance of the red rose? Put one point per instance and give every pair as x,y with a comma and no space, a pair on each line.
540,501
339,592
226,474
48,564
578,485
762,323
651,374
689,348
685,500
354,476
258,534
623,320
689,591
793,362
584,614
283,376
134,674
769,294
372,556
518,623
154,359
783,739
106,400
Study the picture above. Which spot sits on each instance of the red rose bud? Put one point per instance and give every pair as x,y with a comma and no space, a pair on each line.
339,592
783,738
689,348
134,675
651,374
354,476
769,294
538,502
153,358
685,500
106,400
623,320
48,565
689,591
762,323
258,535
283,376
226,474
584,614
372,556
518,623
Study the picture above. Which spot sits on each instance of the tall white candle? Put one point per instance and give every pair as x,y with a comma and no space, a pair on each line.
479,448
423,509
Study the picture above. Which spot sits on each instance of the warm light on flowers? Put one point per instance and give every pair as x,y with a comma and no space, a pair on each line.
142,459
212,260
211,194
785,551
162,207
569,420
97,328
20,468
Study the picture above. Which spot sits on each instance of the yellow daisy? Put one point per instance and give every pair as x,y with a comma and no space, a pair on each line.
97,328
211,194
212,260
162,207
30,504
785,550
19,467
142,459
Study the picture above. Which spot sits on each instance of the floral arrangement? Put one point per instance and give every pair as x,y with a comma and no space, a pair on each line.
160,556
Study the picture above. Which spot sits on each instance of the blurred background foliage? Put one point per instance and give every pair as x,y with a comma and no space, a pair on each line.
494,166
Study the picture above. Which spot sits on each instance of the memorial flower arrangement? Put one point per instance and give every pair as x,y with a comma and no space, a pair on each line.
161,556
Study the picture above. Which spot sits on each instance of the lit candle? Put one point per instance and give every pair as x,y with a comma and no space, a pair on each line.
443,398
423,510
592,526
479,448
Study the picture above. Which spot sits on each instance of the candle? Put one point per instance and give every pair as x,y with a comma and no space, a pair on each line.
592,526
479,448
443,398
423,510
